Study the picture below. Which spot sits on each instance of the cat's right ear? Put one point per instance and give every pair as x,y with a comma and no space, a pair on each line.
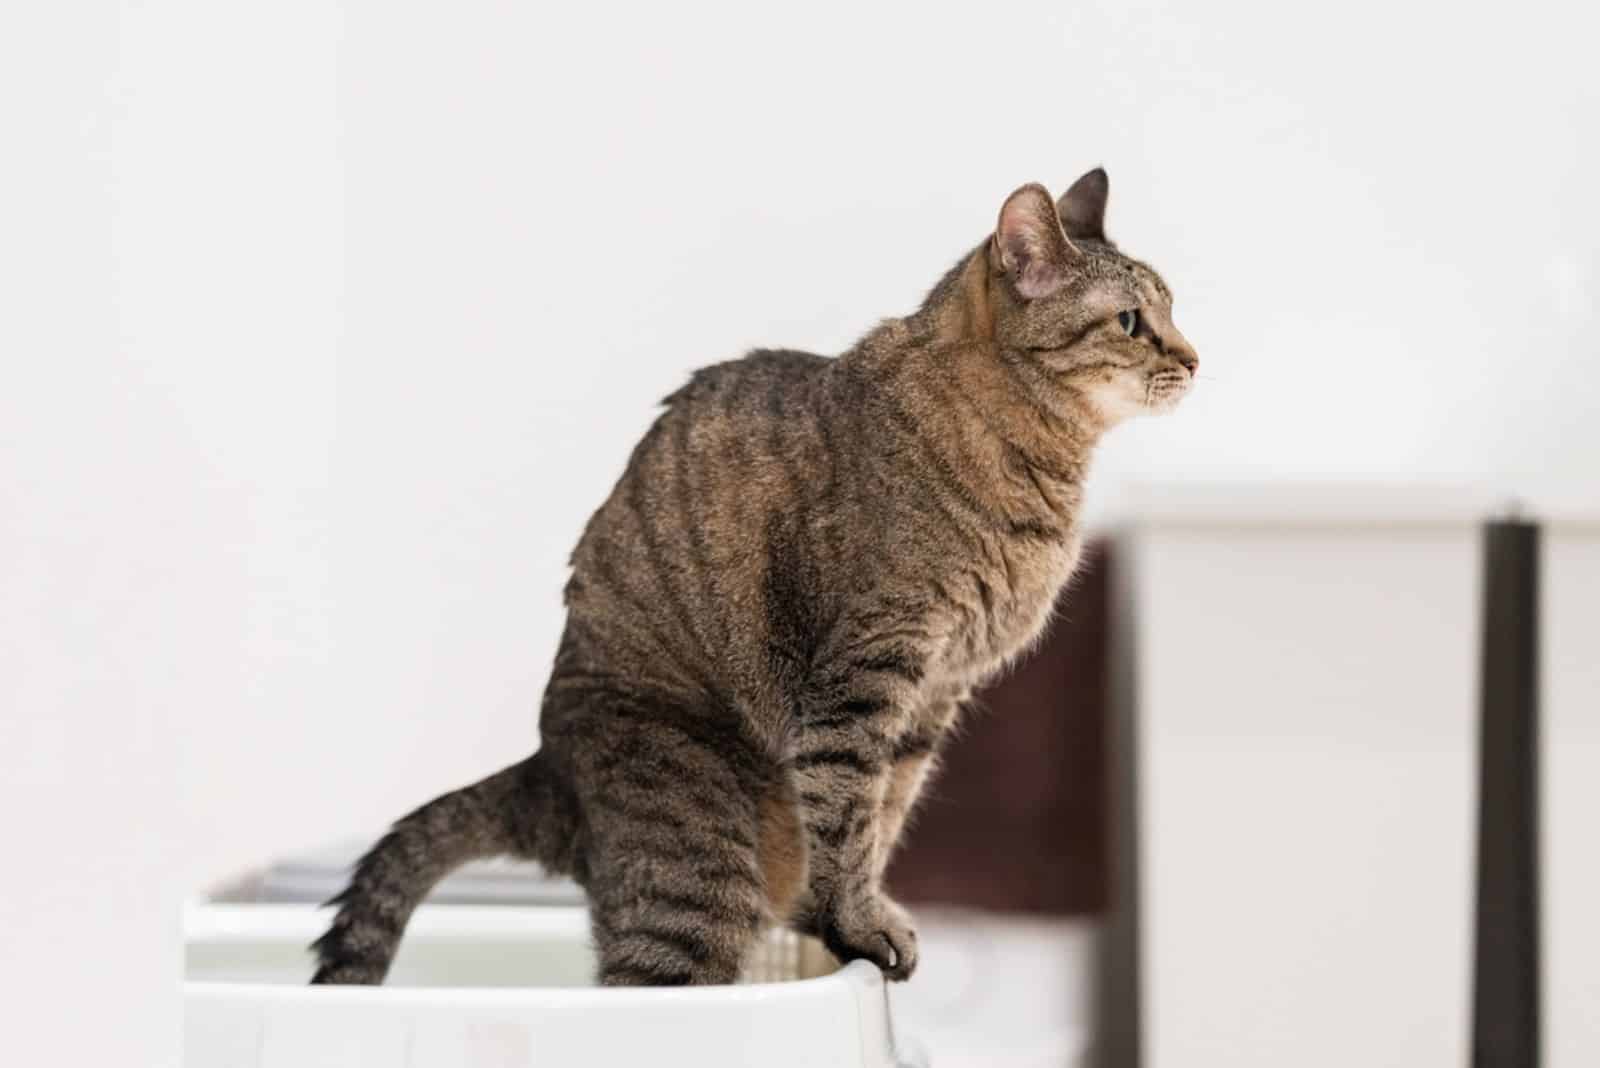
1083,207
1030,245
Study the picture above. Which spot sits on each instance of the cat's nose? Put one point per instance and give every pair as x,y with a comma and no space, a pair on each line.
1186,356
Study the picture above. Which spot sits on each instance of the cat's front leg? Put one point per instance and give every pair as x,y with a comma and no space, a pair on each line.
912,760
842,772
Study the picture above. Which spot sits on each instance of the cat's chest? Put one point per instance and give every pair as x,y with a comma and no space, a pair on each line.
1013,605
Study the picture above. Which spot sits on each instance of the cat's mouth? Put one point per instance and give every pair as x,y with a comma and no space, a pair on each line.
1164,389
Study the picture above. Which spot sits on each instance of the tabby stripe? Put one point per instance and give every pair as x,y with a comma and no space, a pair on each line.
815,801
863,737
985,594
656,564
701,906
623,694
1032,463
1069,343
844,758
1038,487
724,737
645,975
732,752
782,457
724,874
679,779
881,625
939,464
833,833
683,483
849,712
1035,530
613,587
692,832
723,833
688,943
914,746
670,851
647,843
831,456
645,813
667,854
891,662
1005,562
955,396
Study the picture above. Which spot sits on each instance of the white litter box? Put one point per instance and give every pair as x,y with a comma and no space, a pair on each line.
511,986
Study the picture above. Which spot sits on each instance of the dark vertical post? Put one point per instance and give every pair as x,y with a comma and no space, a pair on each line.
1120,1023
1506,962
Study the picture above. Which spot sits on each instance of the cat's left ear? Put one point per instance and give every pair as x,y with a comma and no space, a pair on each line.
1083,207
1032,250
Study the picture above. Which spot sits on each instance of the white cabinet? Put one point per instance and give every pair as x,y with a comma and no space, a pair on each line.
1301,776
1305,687
1570,759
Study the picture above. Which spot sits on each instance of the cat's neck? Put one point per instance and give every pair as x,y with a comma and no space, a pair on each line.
944,356
960,306
988,415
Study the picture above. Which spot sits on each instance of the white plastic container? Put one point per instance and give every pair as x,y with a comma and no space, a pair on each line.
511,987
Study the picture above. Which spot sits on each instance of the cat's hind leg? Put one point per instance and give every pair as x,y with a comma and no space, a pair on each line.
674,869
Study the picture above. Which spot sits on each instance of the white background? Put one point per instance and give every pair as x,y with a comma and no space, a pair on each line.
323,326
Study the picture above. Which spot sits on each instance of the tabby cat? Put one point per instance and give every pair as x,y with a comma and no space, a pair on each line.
774,619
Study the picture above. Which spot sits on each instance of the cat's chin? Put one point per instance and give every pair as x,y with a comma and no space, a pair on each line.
1130,398
1165,392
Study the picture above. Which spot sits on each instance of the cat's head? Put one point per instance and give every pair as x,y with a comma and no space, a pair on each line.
1097,323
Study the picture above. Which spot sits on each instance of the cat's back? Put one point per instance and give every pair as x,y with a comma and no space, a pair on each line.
750,385
735,427
666,569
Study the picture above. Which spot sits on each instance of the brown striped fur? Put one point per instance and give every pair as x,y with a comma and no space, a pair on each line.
774,619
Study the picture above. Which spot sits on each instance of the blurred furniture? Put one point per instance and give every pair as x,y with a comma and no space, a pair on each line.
1015,821
1569,764
1006,860
1297,872
1296,742
1505,966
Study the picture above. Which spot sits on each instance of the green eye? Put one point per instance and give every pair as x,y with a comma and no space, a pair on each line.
1129,321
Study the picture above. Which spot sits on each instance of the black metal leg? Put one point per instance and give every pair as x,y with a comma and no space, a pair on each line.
1506,964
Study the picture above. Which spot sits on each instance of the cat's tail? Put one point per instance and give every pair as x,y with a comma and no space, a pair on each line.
522,811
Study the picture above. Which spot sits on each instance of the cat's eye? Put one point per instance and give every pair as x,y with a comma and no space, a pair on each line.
1129,321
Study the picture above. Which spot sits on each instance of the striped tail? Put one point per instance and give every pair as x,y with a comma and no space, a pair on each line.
519,812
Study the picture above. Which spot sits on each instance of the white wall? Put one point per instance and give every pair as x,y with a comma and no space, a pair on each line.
332,322
87,803
1382,237
170,229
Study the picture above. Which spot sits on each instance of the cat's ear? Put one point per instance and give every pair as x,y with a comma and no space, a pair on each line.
1083,207
1028,240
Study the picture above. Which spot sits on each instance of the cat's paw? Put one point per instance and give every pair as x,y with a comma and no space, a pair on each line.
873,928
